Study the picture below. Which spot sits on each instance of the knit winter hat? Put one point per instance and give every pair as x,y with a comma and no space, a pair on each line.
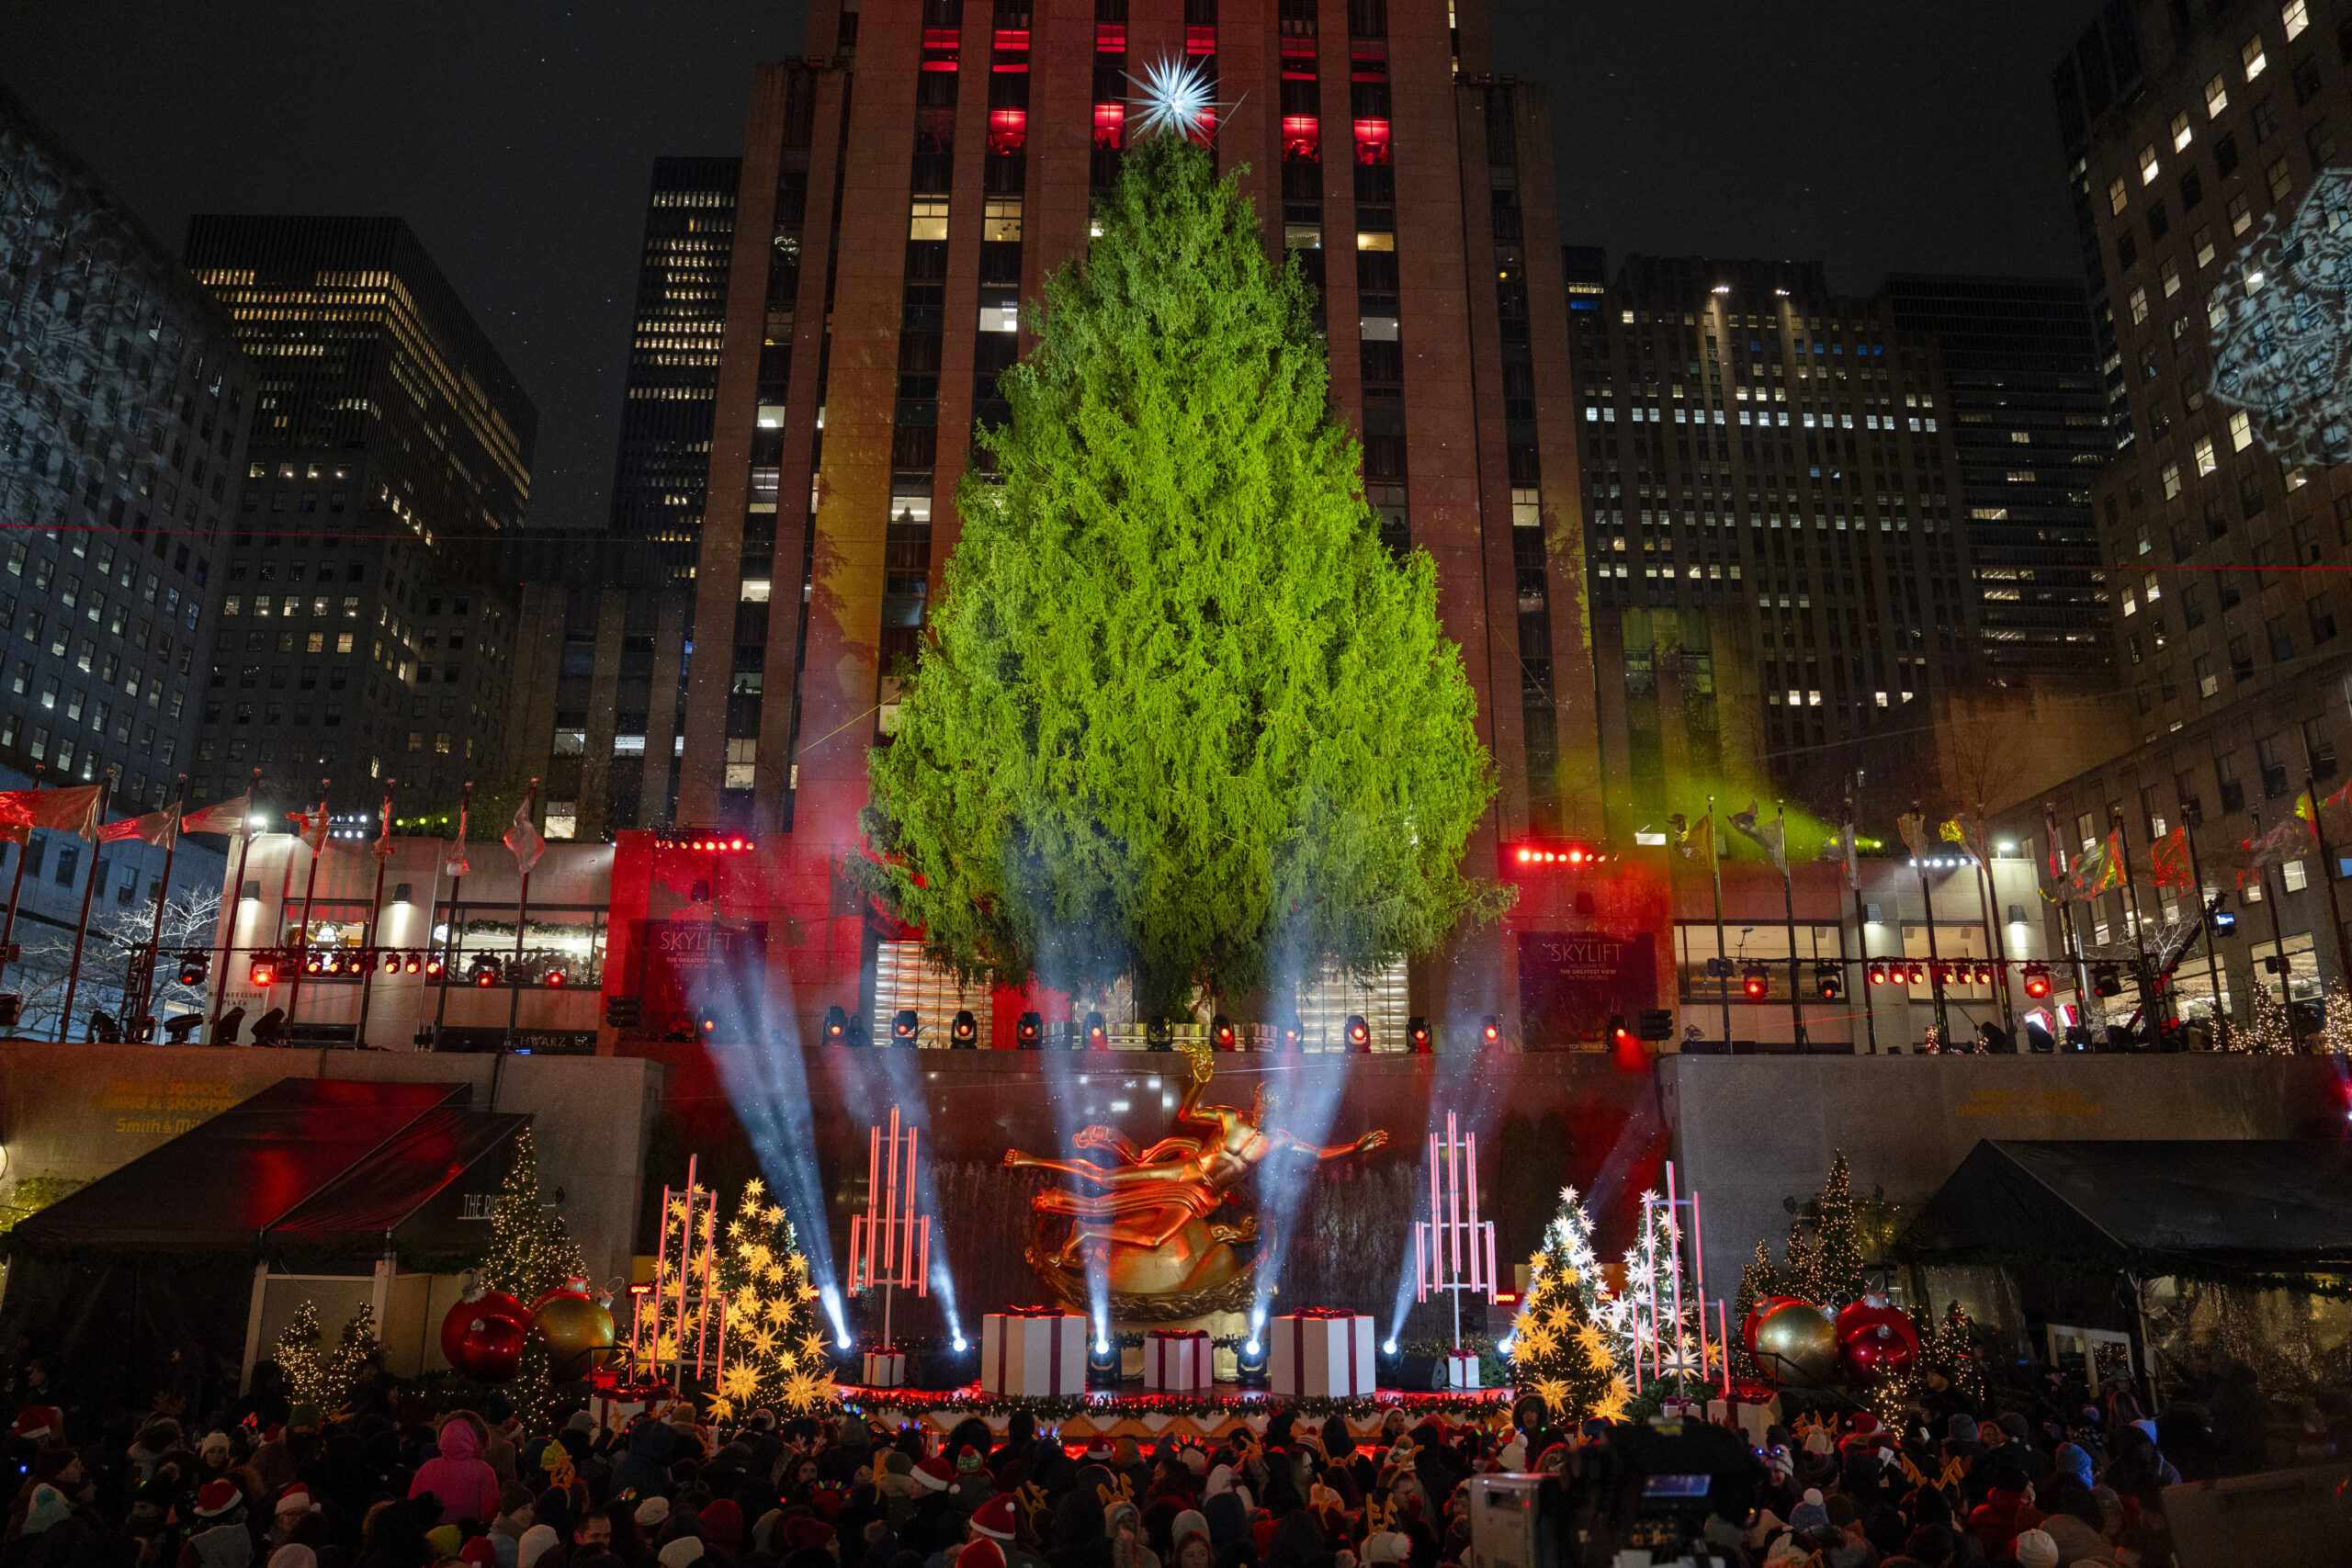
50,1508
534,1545
653,1511
2035,1549
682,1552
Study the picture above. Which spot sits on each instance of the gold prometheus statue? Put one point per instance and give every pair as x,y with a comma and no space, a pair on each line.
1147,1220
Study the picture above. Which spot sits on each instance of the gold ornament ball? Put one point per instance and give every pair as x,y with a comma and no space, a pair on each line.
1798,1343
577,1330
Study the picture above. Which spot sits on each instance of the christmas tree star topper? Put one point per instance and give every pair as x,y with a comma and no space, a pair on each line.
1178,96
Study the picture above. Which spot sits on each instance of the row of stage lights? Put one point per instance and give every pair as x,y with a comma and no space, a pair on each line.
270,965
1829,984
1030,1033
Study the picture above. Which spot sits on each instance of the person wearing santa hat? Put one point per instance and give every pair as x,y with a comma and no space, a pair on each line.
218,1537
997,1520
295,1504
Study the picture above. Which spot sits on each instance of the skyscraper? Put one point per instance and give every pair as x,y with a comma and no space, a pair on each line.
1779,573
888,240
2029,418
664,459
366,628
124,404
2202,153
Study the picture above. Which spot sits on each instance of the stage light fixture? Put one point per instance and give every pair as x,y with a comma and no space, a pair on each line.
1755,985
433,965
905,1025
1490,1031
1098,1035
264,969
1029,1031
1877,975
194,967
1416,1033
314,962
1359,1034
836,1025
2037,980
1157,1036
1293,1035
2107,980
964,1035
1221,1036
1828,984
555,979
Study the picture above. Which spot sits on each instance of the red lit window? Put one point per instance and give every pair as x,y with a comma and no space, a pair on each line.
1011,38
1110,124
1111,38
945,39
1200,40
1372,141
1297,51
1008,128
1301,137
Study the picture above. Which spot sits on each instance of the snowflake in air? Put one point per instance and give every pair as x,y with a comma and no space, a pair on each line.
1178,96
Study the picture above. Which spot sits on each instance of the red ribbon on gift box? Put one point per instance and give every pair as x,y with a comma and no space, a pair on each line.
1053,1347
1298,1321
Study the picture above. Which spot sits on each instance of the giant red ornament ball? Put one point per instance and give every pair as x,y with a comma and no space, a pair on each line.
482,1337
1875,1339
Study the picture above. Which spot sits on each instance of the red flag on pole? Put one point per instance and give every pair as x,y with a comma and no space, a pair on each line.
311,827
159,828
77,810
232,816
2170,856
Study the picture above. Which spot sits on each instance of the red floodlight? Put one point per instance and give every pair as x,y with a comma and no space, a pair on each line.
555,978
1755,985
2037,981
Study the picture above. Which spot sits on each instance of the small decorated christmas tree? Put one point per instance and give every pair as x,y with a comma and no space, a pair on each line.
1947,1347
297,1352
1652,1333
2273,1032
1800,1272
357,1347
531,1253
2335,1024
1560,1351
1837,1240
1757,1280
776,1352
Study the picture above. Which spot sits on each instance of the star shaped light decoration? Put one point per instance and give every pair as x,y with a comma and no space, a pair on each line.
1178,96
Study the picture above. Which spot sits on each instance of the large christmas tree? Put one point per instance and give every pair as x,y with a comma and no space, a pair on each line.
1560,1351
531,1252
1838,1239
1181,715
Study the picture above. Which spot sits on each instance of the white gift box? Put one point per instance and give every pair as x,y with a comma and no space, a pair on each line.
885,1368
1321,1356
1462,1369
1173,1359
1033,1354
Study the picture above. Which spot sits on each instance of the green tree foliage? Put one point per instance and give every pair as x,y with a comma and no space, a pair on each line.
531,1252
1181,714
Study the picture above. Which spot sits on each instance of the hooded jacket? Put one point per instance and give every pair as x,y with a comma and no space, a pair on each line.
459,1475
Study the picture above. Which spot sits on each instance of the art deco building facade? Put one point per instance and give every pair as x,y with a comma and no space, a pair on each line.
672,384
904,193
367,628
124,404
2028,416
2210,189
1781,568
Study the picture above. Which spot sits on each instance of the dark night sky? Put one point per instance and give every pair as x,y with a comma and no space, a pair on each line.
516,138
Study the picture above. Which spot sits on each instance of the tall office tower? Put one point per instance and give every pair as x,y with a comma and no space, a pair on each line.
124,404
1779,568
889,241
2028,415
664,461
366,627
2203,150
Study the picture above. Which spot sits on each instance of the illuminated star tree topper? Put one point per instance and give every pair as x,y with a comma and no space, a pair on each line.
1178,96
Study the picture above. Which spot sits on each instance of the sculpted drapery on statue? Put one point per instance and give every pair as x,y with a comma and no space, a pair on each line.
1150,1221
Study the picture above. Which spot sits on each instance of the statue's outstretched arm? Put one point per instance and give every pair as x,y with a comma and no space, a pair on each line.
1085,1170
1364,1145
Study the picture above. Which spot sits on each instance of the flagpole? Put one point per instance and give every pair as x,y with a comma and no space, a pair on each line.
2192,817
1985,913
2327,880
81,929
1789,907
1935,959
236,908
24,853
456,929
2062,880
375,917
1862,933
310,889
1722,958
2152,999
521,912
1994,928
155,937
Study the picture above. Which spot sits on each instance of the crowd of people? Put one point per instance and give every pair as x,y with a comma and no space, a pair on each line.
396,1481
